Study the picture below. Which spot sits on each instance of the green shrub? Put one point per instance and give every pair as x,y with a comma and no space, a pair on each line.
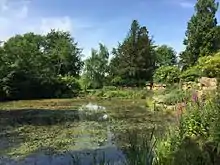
192,123
177,96
97,93
71,85
210,65
167,74
109,88
194,139
118,94
117,81
84,82
191,74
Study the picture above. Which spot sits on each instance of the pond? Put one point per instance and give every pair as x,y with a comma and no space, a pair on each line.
75,131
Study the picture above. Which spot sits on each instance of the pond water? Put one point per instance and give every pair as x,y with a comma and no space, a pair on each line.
55,132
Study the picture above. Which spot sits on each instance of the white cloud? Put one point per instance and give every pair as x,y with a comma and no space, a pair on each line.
12,17
16,17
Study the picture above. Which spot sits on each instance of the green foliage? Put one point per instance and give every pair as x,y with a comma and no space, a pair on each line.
96,67
84,82
63,52
109,88
206,66
191,74
141,149
71,83
167,74
120,93
31,65
192,123
176,96
165,55
195,139
117,81
210,65
134,58
202,33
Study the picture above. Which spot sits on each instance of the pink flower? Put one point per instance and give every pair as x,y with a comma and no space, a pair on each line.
195,97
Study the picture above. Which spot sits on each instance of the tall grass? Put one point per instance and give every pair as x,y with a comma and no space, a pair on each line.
120,93
195,138
139,149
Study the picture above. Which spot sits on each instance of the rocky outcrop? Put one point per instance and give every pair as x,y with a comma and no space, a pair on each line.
156,86
208,83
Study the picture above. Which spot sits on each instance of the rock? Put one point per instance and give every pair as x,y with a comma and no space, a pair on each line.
170,107
208,83
189,85
159,86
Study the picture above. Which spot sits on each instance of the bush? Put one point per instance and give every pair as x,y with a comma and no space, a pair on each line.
84,82
109,88
191,74
124,93
117,81
21,85
167,74
177,96
195,138
210,65
71,86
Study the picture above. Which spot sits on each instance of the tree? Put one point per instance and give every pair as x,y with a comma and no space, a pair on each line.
37,66
201,33
63,52
133,60
165,56
24,66
114,71
167,74
96,67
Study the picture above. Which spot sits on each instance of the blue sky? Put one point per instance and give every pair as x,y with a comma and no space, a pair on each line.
94,21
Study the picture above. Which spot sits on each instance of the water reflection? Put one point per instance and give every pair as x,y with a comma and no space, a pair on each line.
109,155
94,138
92,107
92,112
135,148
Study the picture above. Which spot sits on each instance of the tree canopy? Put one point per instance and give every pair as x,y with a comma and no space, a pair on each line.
96,67
202,34
134,59
31,64
165,55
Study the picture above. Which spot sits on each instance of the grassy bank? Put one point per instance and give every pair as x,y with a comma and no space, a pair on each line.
195,138
123,93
